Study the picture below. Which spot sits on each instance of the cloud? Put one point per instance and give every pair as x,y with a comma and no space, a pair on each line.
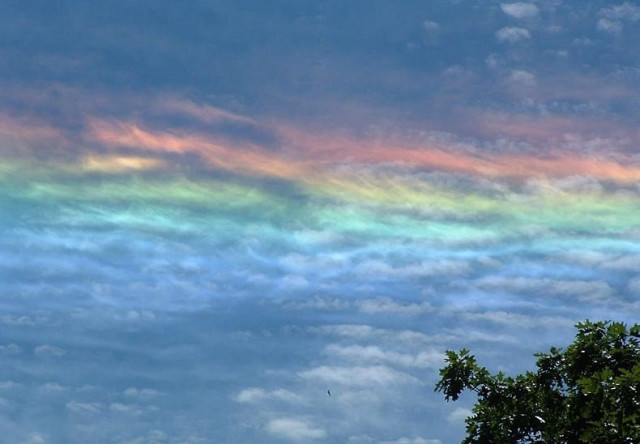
430,26
53,387
372,353
390,306
48,351
35,438
586,291
521,78
294,429
10,349
317,303
8,385
612,17
416,440
458,415
131,409
520,10
23,320
633,286
141,393
293,282
380,269
512,34
83,407
359,376
518,319
624,11
610,26
374,334
254,395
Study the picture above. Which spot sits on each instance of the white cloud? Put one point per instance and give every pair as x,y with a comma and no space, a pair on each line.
130,409
250,395
416,440
522,78
520,10
133,392
317,303
380,269
371,353
83,407
458,415
53,387
46,350
612,18
139,315
367,332
512,34
610,26
293,282
8,385
624,11
633,286
574,184
589,291
10,349
35,438
254,395
358,376
294,429
17,320
388,305
502,317
430,26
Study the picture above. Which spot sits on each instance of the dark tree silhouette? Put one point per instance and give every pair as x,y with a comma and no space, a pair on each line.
586,393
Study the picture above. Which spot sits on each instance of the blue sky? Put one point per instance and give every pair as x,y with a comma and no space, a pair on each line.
211,213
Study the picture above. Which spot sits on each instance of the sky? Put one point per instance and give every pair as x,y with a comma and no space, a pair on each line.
214,212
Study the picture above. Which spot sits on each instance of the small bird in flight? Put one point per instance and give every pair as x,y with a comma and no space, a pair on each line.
329,392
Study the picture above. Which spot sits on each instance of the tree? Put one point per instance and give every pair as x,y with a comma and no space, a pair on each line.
587,393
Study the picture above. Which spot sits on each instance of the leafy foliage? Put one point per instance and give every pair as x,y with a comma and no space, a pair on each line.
587,393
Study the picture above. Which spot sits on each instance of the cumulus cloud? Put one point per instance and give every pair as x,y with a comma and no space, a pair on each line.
53,387
612,17
22,320
10,349
633,286
512,34
254,395
83,407
390,306
415,440
624,11
368,332
141,393
380,269
35,438
371,353
575,184
458,415
522,78
520,10
131,409
358,376
610,26
48,351
294,429
292,282
587,291
431,30
317,303
507,318
8,385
